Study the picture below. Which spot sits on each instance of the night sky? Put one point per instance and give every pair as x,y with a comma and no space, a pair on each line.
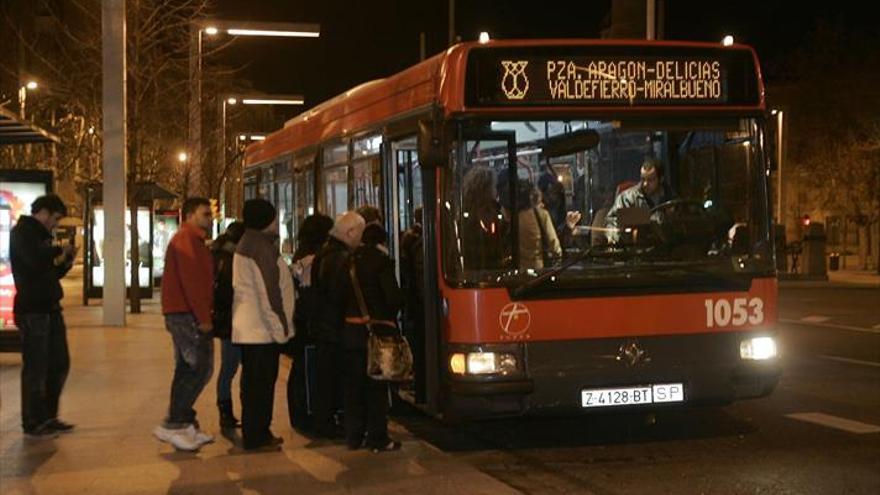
364,40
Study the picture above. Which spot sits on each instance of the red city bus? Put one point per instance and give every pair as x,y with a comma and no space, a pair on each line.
660,291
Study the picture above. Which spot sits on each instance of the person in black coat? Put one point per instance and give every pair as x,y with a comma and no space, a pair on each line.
366,400
223,250
332,286
37,267
312,235
412,278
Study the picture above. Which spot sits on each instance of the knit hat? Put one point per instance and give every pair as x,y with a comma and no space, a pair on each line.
258,214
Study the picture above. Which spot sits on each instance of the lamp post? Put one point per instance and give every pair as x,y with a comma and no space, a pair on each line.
258,99
250,99
201,29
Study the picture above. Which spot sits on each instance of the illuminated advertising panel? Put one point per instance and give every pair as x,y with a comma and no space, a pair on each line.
165,225
611,76
15,200
144,249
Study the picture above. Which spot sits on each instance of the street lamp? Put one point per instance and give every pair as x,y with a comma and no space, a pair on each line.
484,37
275,100
727,40
182,157
232,28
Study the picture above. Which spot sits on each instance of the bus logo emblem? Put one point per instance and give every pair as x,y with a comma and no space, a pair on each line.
515,319
631,354
515,82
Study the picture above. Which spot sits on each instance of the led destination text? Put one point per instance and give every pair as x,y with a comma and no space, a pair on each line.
634,80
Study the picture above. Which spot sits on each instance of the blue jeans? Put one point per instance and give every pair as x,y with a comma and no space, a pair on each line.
230,359
193,366
45,363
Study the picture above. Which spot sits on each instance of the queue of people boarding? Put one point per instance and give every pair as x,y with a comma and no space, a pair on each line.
241,292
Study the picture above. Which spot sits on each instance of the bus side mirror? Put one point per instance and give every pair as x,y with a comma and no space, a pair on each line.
432,152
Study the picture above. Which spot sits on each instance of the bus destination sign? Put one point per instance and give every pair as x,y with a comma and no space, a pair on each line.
601,80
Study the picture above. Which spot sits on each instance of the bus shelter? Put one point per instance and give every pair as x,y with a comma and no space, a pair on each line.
18,189
155,228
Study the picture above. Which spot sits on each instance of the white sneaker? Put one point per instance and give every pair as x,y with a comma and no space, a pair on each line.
181,439
200,437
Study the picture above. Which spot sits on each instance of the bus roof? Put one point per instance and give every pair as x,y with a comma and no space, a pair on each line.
444,81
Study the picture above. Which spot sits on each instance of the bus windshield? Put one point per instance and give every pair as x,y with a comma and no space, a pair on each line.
669,198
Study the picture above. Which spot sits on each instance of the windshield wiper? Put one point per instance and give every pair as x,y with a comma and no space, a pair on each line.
525,287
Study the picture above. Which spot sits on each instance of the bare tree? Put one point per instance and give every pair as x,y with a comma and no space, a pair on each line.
834,134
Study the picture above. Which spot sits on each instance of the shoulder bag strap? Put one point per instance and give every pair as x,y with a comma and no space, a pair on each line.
358,294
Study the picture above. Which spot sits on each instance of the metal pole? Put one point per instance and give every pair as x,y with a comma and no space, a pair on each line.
115,165
661,20
451,22
223,142
195,108
650,20
779,156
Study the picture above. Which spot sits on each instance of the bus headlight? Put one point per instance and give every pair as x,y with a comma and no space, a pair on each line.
482,363
758,348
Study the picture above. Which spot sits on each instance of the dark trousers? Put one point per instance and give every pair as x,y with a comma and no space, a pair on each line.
366,400
415,330
230,359
45,364
259,370
193,367
298,400
328,357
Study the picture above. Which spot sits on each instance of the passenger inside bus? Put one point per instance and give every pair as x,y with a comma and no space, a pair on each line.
538,243
483,227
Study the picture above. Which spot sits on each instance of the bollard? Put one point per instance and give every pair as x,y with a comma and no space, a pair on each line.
834,261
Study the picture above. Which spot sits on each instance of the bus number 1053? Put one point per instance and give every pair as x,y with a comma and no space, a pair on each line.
722,312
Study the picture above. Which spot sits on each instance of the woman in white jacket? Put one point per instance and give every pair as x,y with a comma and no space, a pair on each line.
262,318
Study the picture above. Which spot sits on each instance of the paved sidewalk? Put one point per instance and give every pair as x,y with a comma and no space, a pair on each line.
855,277
117,392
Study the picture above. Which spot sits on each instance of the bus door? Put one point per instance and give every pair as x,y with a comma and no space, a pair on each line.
405,197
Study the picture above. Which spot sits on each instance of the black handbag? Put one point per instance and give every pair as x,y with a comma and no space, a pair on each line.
389,356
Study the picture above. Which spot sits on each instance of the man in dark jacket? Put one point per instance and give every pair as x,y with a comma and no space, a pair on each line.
37,267
331,280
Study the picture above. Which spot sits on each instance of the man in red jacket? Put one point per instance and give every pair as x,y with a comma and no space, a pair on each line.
187,301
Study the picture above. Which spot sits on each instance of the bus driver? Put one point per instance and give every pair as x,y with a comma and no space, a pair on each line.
650,192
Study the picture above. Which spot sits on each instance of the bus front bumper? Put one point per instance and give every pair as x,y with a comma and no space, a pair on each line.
709,367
